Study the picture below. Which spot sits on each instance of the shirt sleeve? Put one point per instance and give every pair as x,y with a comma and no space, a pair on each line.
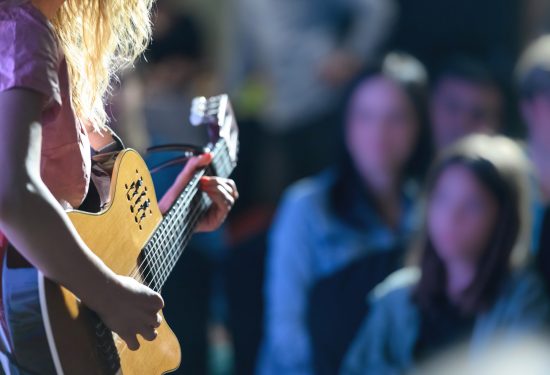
29,54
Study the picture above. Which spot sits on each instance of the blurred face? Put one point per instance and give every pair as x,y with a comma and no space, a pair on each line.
381,128
459,108
461,216
536,112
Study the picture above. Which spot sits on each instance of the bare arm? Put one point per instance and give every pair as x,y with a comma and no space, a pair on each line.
37,226
30,216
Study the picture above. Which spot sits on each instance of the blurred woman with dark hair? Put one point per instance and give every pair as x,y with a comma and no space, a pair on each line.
338,234
472,283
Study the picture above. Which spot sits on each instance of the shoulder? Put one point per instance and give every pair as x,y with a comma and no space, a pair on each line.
391,299
29,52
311,188
308,194
23,23
397,283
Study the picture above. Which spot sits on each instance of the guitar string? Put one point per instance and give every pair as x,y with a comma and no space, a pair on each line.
153,249
169,255
160,267
172,256
152,259
153,255
212,108
161,234
175,218
174,252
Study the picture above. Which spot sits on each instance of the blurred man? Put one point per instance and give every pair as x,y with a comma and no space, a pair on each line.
465,99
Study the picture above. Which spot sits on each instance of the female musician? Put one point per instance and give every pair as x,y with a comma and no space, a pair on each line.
57,58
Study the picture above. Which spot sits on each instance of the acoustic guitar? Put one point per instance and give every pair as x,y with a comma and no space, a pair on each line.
133,238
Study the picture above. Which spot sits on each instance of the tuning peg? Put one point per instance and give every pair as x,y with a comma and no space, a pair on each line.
198,110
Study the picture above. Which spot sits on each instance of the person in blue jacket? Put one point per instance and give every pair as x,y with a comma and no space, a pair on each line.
473,283
339,233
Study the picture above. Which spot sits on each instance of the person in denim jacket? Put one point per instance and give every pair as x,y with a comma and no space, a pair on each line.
472,283
338,234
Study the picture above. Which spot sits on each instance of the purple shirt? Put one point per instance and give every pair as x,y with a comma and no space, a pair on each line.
31,58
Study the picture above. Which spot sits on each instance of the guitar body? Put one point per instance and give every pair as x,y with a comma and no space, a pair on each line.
79,342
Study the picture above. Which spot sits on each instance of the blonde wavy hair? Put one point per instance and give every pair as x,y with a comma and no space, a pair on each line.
100,38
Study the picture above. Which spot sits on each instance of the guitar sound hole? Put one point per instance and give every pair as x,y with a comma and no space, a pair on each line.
136,193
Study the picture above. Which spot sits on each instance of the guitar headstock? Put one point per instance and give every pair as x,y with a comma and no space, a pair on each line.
217,115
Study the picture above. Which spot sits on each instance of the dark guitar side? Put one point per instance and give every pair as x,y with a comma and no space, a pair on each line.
117,235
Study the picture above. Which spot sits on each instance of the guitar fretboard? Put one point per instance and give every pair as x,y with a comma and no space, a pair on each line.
168,242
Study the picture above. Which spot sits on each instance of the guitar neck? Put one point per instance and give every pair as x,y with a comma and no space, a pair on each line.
170,239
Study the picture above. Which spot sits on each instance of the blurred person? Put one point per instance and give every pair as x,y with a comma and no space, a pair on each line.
310,49
489,31
304,54
465,99
339,233
533,75
473,282
57,61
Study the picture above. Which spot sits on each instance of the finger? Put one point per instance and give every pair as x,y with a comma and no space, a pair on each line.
156,321
214,183
156,302
215,216
200,161
212,220
228,195
153,302
149,333
228,184
220,197
231,189
195,163
234,187
132,342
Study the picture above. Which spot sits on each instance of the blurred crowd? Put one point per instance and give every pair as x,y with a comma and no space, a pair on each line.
394,172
